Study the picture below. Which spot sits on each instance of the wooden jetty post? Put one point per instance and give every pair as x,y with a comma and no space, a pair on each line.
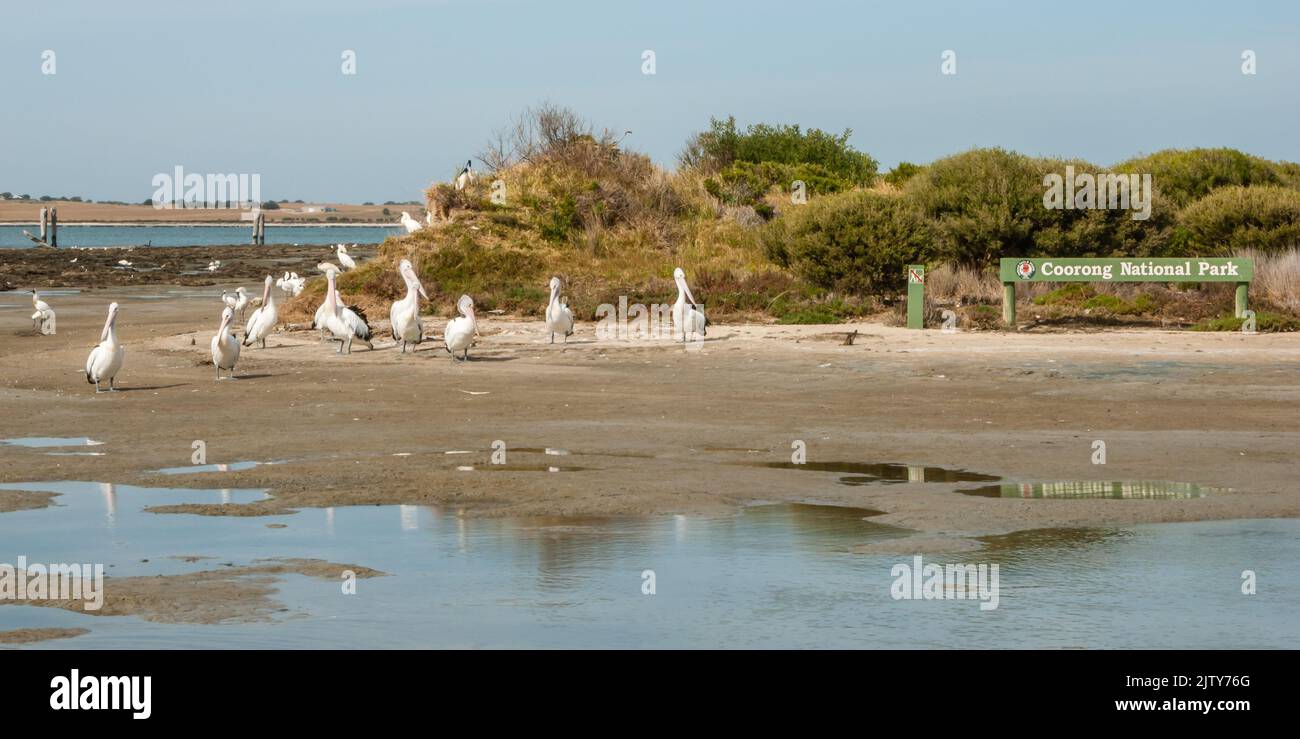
54,226
45,220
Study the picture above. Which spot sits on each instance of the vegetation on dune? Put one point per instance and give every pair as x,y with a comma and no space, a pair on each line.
561,197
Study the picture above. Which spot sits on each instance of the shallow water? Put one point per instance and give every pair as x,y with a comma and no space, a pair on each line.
71,236
1077,489
768,576
42,442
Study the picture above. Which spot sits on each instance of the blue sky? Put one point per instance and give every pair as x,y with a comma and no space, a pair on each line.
256,87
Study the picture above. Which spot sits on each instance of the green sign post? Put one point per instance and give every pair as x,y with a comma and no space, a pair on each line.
916,296
1193,269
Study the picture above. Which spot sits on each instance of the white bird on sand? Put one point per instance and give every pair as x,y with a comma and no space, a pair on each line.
559,319
410,223
345,329
262,322
466,175
404,316
43,318
345,261
292,283
687,317
123,263
241,301
214,265
106,358
460,331
225,347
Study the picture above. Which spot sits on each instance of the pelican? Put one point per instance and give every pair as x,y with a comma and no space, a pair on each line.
328,267
262,322
214,265
241,301
466,175
460,331
404,316
342,328
345,261
410,223
687,318
106,358
229,299
43,318
559,319
225,347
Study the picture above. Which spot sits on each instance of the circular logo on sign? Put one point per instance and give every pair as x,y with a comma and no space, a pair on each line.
1025,269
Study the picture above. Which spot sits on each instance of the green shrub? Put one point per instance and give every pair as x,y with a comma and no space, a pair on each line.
1186,175
1234,218
723,145
1265,321
898,176
858,242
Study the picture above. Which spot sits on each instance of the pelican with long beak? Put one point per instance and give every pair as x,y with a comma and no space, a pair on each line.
106,358
262,323
345,261
334,322
459,335
43,318
241,301
559,319
688,316
404,316
225,347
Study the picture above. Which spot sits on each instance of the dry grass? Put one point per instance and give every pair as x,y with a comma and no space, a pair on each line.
1277,278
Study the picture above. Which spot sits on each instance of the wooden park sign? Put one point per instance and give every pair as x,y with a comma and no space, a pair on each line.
1193,269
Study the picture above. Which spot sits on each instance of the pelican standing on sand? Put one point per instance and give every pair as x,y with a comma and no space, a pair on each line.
459,334
559,319
106,358
345,261
43,318
687,319
225,347
263,320
343,330
410,223
404,316
241,301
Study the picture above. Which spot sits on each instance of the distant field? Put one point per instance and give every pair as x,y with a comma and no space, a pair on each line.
28,211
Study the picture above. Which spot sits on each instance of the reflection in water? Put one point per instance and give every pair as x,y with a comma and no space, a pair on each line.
866,473
410,517
1151,490
231,467
109,492
39,442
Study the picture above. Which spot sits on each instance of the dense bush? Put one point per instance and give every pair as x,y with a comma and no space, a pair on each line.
723,145
858,242
898,176
1234,218
1186,175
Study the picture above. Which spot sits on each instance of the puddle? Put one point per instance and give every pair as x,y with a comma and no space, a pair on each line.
769,576
1153,490
42,442
193,468
869,473
74,454
52,292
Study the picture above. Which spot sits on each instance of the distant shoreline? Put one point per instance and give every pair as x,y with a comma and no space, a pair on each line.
224,224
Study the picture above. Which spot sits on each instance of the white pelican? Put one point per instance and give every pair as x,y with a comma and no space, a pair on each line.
241,301
686,320
345,261
214,265
106,358
229,299
559,319
43,318
262,322
404,316
344,329
466,175
459,334
225,347
410,223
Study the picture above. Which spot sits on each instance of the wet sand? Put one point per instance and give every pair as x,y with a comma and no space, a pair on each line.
653,429
31,636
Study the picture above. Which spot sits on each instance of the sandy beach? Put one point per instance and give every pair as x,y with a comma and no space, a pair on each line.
648,428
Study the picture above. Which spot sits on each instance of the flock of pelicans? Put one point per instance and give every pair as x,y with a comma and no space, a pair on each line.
337,322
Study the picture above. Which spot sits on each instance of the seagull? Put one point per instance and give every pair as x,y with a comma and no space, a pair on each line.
466,175
559,319
410,223
43,318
